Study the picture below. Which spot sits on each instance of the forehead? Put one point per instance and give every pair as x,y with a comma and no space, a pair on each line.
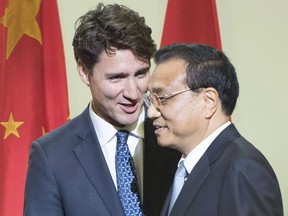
122,61
169,74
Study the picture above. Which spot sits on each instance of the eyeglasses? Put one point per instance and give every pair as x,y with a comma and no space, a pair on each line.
157,100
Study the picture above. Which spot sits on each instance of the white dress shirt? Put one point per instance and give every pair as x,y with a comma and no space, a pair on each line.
194,156
106,134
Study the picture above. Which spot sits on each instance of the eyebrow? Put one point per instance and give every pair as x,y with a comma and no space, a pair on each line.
116,74
124,74
142,70
157,90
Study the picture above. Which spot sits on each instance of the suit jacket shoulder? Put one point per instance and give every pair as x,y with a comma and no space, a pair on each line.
231,178
68,174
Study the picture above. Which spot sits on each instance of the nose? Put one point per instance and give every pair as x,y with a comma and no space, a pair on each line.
131,89
152,112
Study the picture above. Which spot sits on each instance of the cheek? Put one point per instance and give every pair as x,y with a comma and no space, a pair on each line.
182,117
103,91
173,115
143,83
182,122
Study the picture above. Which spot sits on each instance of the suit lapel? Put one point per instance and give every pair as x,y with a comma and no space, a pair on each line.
201,171
91,158
165,208
191,187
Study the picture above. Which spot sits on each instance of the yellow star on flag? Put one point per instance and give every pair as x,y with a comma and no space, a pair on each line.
20,19
11,127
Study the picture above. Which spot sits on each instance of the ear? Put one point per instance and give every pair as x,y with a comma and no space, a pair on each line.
211,102
83,73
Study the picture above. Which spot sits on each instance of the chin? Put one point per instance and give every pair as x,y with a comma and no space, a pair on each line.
162,144
166,144
128,121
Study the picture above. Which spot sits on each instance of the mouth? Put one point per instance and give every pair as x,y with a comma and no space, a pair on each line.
129,108
159,129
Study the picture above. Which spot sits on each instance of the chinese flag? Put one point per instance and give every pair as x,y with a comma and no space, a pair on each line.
191,21
33,89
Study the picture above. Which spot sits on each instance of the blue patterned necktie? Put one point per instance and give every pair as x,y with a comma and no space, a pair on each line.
127,184
179,180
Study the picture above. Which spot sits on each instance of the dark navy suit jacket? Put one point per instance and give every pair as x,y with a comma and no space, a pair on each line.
232,178
68,175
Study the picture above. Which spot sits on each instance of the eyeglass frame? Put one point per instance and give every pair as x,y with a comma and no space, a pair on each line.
156,100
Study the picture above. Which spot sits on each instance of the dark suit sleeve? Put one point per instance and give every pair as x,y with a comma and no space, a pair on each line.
41,192
250,187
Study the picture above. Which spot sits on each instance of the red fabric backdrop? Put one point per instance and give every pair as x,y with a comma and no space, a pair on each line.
33,89
191,21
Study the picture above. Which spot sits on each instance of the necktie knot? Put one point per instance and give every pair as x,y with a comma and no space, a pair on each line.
122,137
181,170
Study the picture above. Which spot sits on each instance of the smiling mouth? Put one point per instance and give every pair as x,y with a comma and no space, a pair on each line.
158,129
129,108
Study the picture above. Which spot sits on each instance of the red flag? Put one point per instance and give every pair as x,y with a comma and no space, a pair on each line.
191,21
33,89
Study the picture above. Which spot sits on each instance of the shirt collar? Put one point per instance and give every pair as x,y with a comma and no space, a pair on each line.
106,131
194,156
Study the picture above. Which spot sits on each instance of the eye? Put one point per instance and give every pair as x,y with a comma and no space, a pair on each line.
142,73
116,77
164,101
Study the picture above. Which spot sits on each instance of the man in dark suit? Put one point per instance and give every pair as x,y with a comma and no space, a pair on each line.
72,170
193,92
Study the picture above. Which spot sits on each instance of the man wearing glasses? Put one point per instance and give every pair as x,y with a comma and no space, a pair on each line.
193,92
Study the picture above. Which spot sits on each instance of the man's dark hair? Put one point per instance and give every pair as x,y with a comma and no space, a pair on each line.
108,28
206,67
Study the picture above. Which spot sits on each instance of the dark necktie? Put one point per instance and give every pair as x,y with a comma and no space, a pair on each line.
127,184
179,180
